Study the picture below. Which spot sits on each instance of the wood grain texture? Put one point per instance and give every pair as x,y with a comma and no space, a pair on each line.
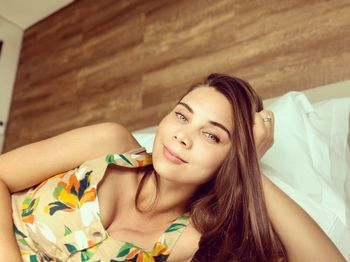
129,61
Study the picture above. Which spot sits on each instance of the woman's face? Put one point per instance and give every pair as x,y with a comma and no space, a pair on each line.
193,140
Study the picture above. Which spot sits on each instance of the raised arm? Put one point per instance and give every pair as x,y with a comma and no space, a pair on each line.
303,238
28,165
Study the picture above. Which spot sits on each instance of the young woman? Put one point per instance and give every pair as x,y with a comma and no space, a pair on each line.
93,194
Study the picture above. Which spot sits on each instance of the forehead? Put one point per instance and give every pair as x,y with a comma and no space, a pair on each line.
209,103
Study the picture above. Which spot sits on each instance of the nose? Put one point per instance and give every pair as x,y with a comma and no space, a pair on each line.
183,138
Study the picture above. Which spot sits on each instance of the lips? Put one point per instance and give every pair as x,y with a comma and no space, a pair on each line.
173,157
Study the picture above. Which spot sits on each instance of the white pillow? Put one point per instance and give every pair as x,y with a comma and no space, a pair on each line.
309,162
332,120
146,138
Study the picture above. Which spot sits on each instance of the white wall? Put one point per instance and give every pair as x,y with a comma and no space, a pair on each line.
26,13
12,37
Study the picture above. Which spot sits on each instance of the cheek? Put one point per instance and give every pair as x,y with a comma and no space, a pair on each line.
212,159
162,135
207,163
163,132
210,162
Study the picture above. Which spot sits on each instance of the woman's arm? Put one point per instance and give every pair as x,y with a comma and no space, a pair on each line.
303,238
28,165
9,250
33,163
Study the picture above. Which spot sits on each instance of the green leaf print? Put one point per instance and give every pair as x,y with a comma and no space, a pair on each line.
23,242
18,232
32,204
183,217
124,250
174,227
67,231
125,159
86,255
71,248
110,159
33,258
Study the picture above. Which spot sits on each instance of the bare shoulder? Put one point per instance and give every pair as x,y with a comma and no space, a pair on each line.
62,152
186,246
97,139
114,137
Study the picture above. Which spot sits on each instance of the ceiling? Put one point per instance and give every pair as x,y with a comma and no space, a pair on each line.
24,13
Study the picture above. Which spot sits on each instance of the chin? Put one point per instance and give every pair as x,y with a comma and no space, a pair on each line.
165,169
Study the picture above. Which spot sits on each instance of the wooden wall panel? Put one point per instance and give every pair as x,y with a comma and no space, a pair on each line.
129,61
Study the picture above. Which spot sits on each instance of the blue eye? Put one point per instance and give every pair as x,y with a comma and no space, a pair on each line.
181,117
212,137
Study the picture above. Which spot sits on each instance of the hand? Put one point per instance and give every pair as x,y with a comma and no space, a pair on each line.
263,131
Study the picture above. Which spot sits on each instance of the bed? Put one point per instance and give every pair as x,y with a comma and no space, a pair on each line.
310,158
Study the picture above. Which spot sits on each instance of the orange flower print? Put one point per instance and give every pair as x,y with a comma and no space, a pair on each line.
130,252
160,251
72,195
28,206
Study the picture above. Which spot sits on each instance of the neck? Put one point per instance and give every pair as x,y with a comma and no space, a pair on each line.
171,197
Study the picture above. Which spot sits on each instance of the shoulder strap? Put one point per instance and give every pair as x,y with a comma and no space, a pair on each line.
135,158
132,159
174,231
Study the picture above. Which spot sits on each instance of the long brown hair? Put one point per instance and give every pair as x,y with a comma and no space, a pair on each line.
230,211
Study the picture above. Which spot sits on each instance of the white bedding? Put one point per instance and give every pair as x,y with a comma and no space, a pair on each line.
310,159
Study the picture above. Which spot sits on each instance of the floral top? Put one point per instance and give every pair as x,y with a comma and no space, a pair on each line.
59,219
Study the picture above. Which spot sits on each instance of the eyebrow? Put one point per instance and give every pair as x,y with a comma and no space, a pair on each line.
214,123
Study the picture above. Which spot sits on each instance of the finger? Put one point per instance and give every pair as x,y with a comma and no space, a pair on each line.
260,130
268,115
272,115
269,125
258,119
